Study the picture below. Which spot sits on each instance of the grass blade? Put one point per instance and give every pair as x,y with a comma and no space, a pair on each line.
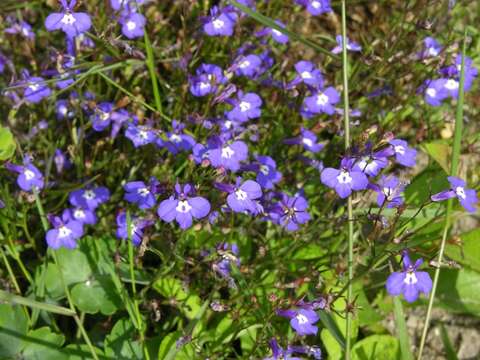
15,299
450,352
401,328
265,20
153,74
331,325
457,142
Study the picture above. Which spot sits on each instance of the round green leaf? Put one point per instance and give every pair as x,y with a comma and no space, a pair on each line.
120,344
43,344
92,296
7,144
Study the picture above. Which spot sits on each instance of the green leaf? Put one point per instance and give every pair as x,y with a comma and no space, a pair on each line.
120,342
468,253
43,344
332,346
81,352
96,295
13,327
458,290
429,181
172,288
7,144
169,342
309,252
401,329
376,347
440,152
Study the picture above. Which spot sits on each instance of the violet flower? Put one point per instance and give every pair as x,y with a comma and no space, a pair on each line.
436,92
140,135
61,161
136,228
182,207
467,197
302,319
177,140
249,66
137,192
83,215
65,233
308,74
404,155
322,101
228,155
89,198
267,174
29,177
316,7
410,282
431,48
133,25
221,22
351,45
206,80
229,255
23,28
344,180
36,89
390,191
247,107
290,212
307,139
71,23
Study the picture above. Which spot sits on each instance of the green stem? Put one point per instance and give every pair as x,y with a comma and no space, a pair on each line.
457,142
346,117
153,74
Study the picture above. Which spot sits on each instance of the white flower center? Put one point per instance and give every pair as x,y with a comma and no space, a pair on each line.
322,99
143,134
25,31
307,142
63,110
344,177
432,51
218,24
204,85
89,195
460,191
451,84
264,169
228,124
131,25
244,64
244,106
68,19
241,195
104,115
175,138
410,278
302,319
306,75
387,191
399,149
183,206
315,4
79,214
29,175
34,87
63,231
227,152
431,92
276,32
143,192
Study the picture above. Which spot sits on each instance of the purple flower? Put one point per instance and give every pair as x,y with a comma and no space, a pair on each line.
302,320
316,7
267,174
122,4
36,90
373,162
208,77
89,198
83,215
308,74
345,179
290,212
220,22
61,161
140,135
390,191
277,35
467,197
228,155
409,282
436,92
229,254
133,25
23,28
242,197
351,45
247,107
177,139
285,354
182,207
431,48
136,228
65,233
404,155
102,116
249,66
137,192
62,110
29,178
71,23
323,101
307,139
452,73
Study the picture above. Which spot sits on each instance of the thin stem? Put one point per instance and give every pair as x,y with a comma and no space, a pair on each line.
346,117
153,74
457,142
